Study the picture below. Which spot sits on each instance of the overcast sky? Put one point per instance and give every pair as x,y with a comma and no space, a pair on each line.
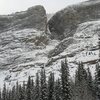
51,6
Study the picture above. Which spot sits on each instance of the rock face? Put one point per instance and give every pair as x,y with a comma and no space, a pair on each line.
25,48
20,34
88,29
18,47
34,17
61,47
86,32
65,22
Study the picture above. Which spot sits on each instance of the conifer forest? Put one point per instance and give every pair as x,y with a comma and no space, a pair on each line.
83,88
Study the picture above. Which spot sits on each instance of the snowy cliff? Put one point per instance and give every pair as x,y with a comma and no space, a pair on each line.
26,48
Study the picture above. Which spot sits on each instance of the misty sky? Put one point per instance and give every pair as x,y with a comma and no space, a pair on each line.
51,6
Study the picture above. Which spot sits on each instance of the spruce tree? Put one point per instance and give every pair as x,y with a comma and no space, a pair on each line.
20,93
91,87
4,92
82,84
66,89
97,75
13,94
97,80
58,90
43,95
0,95
32,89
7,94
51,91
10,95
90,80
17,91
24,90
37,88
28,89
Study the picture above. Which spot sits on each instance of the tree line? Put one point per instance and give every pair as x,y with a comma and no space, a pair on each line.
83,88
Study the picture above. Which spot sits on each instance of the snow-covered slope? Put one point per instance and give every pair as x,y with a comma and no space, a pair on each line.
25,50
88,29
28,58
